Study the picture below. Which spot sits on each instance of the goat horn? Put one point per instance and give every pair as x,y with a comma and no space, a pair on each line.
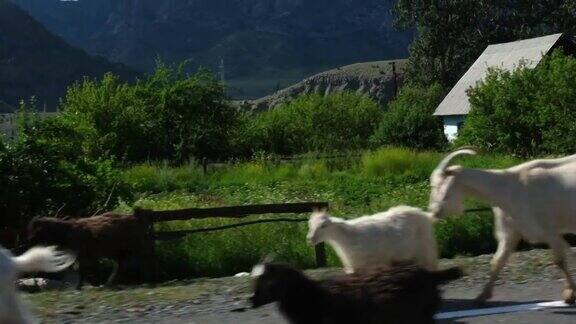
35,218
446,161
59,210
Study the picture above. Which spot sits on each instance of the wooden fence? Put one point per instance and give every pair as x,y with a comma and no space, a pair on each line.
237,212
208,164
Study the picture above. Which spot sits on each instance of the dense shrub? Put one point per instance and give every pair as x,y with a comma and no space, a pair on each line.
409,121
335,122
527,111
168,115
44,173
399,163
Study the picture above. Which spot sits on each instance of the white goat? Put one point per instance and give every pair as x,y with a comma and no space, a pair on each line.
401,234
533,200
45,259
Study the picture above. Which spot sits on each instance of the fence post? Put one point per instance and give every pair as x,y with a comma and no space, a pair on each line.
205,165
320,250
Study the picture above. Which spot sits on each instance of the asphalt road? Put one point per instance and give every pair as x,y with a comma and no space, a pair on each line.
455,299
512,295
528,279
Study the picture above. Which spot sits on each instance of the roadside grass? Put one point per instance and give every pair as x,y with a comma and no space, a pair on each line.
354,186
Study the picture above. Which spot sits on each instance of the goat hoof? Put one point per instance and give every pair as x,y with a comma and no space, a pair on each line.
483,297
569,297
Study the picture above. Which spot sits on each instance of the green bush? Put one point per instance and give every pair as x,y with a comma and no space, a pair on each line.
525,112
341,121
409,121
45,173
167,115
399,162
469,234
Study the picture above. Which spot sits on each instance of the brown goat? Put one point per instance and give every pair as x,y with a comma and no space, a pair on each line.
114,236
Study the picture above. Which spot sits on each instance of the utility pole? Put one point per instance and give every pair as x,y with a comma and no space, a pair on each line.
222,71
395,76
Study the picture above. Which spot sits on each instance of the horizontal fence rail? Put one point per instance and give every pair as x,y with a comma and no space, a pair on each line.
241,212
479,209
174,235
231,212
208,164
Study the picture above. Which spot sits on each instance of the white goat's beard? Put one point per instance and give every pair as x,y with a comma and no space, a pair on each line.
452,207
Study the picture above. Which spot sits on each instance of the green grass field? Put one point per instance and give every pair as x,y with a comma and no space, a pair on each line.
354,186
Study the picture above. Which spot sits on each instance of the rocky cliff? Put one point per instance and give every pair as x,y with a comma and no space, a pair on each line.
380,80
264,44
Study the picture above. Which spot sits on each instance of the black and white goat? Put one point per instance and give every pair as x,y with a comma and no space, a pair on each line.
402,295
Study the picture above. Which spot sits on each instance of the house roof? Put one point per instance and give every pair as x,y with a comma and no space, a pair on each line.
5,108
506,56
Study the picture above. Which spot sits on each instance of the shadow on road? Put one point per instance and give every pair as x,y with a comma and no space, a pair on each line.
454,305
450,305
566,312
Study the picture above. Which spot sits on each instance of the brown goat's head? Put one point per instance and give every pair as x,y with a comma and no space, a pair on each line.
47,231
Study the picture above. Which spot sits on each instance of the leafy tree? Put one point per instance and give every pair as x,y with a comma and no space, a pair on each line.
44,172
167,115
525,112
409,121
193,111
336,122
452,33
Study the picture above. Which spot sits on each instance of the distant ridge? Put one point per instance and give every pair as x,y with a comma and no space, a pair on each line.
377,79
34,62
264,44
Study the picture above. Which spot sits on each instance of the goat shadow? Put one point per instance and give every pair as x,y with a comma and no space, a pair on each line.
451,305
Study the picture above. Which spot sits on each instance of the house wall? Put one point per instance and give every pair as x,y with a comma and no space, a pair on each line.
8,127
452,125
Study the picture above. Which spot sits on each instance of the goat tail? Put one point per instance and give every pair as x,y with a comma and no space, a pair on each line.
447,275
44,259
446,160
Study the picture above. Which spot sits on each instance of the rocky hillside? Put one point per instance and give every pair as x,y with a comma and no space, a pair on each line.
34,62
263,44
379,79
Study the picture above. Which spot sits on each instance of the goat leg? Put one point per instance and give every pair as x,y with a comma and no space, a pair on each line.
506,245
559,247
82,274
113,274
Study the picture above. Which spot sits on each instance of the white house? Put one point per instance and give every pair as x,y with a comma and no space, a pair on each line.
454,108
8,127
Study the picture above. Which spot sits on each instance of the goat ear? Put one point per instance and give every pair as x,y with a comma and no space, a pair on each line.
319,209
269,258
452,171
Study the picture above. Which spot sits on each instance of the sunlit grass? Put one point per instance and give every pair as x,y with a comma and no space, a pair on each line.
353,185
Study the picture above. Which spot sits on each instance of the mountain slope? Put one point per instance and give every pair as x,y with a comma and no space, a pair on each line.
380,80
34,62
263,43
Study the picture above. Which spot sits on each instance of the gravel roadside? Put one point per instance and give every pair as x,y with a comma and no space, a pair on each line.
223,300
